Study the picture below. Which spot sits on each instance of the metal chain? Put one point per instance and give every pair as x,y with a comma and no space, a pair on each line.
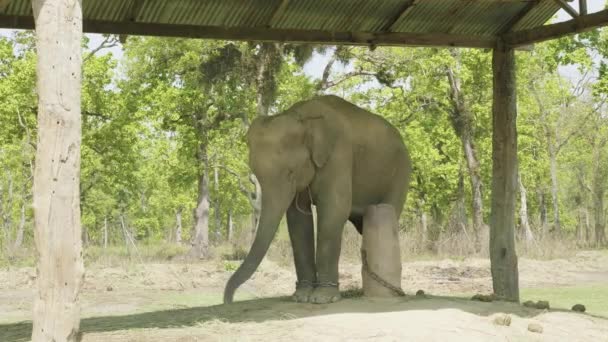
376,277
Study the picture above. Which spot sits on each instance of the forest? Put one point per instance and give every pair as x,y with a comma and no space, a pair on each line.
164,159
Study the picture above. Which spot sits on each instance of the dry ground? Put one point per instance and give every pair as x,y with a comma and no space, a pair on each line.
182,302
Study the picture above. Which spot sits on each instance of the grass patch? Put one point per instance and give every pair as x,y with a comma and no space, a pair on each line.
144,252
595,297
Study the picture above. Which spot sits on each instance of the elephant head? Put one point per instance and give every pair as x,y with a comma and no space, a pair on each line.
284,152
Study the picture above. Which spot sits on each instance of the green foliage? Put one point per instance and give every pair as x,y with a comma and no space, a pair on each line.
158,121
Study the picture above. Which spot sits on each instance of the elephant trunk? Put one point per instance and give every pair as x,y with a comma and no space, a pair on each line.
273,209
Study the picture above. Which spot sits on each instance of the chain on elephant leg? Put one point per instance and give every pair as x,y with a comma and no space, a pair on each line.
396,290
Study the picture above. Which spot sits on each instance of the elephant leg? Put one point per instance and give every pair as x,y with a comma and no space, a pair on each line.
332,214
301,233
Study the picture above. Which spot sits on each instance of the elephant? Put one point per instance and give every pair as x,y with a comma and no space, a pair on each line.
331,153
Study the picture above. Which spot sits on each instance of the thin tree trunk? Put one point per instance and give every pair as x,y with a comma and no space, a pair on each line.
178,226
324,81
554,189
105,232
462,121
200,238
7,218
4,230
230,227
598,190
523,212
60,268
542,204
125,233
217,209
21,228
587,227
579,225
600,219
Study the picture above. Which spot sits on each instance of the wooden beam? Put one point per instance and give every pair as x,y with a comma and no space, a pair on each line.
582,7
265,34
56,198
566,7
518,17
278,13
579,24
407,6
503,257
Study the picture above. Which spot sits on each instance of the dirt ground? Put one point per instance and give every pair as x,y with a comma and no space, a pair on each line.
182,302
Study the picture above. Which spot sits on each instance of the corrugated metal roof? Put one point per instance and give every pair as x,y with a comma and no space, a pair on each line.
477,18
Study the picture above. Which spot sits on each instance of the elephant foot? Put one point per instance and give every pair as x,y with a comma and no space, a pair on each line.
302,294
325,294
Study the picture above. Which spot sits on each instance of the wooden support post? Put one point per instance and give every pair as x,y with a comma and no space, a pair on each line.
57,175
505,278
566,7
380,253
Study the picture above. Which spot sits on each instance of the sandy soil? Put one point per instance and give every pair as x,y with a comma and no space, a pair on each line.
181,302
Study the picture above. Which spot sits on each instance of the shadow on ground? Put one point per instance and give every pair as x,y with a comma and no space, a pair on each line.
260,310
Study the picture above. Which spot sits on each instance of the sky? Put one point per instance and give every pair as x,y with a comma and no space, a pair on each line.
314,68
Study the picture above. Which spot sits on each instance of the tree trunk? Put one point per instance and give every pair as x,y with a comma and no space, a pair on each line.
178,226
600,219
230,227
125,233
503,257
6,236
523,213
105,232
200,237
542,208
598,190
21,228
8,208
60,269
554,189
217,209
462,121
587,228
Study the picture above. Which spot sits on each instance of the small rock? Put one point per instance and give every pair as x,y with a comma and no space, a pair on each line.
420,293
503,319
453,279
579,308
542,304
109,288
535,328
148,282
529,304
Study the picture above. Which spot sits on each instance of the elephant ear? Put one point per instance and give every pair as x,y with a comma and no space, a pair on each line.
319,140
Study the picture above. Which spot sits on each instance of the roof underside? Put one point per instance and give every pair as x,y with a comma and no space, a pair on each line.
390,22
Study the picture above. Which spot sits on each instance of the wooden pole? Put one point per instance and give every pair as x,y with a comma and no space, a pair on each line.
56,315
505,278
